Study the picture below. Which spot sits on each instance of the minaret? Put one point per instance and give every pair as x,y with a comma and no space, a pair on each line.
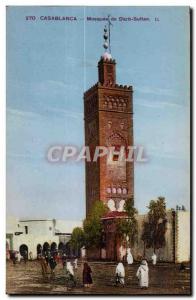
108,122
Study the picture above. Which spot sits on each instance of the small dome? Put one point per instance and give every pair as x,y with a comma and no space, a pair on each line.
105,45
107,55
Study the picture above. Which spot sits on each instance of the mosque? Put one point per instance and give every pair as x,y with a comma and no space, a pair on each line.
108,115
108,118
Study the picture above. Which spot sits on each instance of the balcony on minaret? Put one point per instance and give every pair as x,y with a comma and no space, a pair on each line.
107,70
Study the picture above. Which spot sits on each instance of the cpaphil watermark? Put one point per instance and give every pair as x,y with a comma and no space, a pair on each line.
64,153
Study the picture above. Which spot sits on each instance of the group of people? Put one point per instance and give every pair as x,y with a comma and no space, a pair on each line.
142,272
86,275
69,265
51,259
15,256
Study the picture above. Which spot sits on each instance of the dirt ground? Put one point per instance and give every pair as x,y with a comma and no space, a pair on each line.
164,278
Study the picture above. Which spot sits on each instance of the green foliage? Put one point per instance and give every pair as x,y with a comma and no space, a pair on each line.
127,227
93,226
77,238
157,210
98,210
154,229
129,208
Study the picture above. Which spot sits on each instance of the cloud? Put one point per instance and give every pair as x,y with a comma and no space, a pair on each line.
67,113
22,113
30,114
157,104
24,156
166,151
156,91
80,62
43,87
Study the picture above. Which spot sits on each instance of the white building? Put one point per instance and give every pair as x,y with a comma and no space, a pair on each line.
182,242
35,234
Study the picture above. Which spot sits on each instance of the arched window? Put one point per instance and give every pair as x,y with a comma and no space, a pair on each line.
119,190
109,190
124,191
114,190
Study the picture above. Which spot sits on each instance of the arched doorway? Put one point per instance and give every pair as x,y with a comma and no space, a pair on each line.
68,249
23,251
60,247
39,249
53,247
46,247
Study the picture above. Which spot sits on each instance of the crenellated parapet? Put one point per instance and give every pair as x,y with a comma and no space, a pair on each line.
108,85
91,90
107,60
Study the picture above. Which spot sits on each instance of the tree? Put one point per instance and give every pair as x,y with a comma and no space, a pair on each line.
127,227
155,227
77,239
93,226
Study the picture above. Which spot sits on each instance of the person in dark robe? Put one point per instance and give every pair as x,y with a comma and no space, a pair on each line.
25,256
64,258
87,278
47,256
52,264
182,267
43,264
13,256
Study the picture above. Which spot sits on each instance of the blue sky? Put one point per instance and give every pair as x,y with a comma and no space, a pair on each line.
49,66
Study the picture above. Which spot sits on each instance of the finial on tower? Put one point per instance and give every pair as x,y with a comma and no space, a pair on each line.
106,36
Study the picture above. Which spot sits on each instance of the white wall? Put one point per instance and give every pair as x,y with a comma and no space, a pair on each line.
163,254
182,236
32,241
38,227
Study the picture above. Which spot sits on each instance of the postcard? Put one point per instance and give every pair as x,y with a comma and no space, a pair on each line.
98,150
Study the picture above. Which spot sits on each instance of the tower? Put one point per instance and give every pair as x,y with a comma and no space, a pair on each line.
108,112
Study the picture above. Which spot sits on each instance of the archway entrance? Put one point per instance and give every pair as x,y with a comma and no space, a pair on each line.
53,247
46,247
39,249
62,247
23,251
68,249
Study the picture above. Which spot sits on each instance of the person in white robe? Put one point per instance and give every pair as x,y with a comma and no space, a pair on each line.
83,252
154,259
19,257
120,273
70,280
122,252
142,274
75,263
69,268
129,257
